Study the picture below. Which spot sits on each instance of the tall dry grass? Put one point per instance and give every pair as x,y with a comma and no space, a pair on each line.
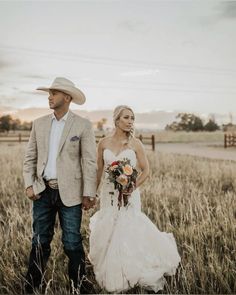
193,198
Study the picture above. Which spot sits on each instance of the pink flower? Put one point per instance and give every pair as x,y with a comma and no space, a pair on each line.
128,170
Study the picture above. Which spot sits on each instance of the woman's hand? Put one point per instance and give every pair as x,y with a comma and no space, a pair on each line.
88,203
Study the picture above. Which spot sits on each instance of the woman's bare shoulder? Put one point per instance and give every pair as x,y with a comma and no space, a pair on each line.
137,143
104,141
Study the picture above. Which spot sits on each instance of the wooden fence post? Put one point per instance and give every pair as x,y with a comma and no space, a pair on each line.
20,137
153,142
230,139
225,141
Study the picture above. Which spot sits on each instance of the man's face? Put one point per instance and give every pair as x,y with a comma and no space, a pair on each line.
57,99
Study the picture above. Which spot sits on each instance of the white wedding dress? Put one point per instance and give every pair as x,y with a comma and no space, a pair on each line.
126,248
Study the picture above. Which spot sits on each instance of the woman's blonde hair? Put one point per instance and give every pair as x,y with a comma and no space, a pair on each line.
116,116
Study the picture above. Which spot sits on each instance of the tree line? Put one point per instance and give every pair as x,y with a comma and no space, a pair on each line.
7,123
191,122
185,122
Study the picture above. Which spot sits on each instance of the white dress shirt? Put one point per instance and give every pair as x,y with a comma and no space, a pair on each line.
50,171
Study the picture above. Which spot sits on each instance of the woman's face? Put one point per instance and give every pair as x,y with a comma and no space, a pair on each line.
126,120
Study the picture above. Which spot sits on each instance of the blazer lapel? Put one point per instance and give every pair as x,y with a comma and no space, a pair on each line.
66,130
48,125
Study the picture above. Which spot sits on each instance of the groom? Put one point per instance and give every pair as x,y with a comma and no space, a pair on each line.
60,177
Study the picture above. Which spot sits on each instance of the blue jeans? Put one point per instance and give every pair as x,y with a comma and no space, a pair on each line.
45,210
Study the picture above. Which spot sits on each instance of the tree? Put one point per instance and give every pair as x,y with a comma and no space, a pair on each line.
15,125
211,126
5,123
26,126
188,122
174,126
101,123
8,123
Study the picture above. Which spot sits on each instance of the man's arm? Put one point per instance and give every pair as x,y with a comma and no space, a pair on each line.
30,160
88,155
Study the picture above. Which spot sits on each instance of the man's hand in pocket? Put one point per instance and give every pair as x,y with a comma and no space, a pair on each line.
30,194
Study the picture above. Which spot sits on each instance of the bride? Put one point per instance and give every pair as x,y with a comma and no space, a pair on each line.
126,248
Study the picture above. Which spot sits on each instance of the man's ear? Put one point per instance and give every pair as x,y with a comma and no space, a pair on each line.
68,98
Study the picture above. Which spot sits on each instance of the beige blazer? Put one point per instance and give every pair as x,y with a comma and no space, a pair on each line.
76,158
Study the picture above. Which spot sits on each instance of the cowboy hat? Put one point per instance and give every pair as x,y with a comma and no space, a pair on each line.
68,87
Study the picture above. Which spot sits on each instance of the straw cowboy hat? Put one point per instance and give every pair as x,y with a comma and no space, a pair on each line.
68,87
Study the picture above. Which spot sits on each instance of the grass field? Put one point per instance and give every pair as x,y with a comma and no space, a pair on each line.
186,137
192,197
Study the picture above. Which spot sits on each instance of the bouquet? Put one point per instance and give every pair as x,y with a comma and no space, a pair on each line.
124,176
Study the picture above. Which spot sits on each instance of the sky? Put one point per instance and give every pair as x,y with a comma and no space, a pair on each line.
151,55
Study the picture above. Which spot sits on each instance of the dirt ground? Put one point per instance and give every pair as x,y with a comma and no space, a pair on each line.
207,149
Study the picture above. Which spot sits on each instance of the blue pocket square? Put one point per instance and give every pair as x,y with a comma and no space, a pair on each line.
75,138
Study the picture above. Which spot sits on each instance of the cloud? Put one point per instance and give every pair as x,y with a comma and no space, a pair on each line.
23,99
33,92
134,26
9,101
219,11
4,64
228,9
141,73
38,77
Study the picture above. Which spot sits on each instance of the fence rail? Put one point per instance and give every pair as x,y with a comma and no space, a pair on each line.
229,140
147,140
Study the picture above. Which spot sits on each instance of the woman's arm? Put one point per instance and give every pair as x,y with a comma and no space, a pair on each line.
142,161
100,162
